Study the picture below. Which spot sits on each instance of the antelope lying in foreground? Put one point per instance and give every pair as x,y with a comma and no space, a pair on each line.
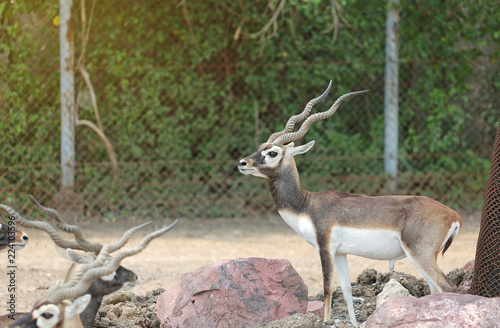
82,279
338,223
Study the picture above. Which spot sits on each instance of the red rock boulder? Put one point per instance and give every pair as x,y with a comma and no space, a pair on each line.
437,310
234,293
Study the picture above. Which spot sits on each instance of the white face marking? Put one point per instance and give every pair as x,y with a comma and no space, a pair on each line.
272,156
47,316
378,244
302,225
109,276
128,286
256,173
19,246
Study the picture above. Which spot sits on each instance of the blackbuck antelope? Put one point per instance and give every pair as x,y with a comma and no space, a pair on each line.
47,314
11,237
52,305
90,281
337,223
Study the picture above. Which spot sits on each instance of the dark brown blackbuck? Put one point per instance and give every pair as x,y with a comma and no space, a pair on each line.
57,310
93,274
338,223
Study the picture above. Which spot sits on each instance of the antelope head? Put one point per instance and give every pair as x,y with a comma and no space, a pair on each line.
274,157
10,236
49,315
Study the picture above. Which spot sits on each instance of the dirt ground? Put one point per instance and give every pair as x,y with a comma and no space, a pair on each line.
195,243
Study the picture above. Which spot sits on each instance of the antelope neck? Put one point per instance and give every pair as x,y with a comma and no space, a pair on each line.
286,190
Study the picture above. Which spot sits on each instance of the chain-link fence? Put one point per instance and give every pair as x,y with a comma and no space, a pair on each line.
185,90
486,278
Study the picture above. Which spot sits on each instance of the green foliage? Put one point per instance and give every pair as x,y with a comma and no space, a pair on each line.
177,88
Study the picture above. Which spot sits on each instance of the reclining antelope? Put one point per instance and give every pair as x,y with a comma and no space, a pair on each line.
82,279
337,223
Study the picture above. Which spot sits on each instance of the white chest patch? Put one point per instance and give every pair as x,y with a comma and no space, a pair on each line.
302,225
378,244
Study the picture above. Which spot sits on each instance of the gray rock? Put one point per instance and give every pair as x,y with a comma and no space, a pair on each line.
391,289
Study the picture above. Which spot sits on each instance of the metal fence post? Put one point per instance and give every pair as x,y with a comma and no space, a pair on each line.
67,95
391,94
67,201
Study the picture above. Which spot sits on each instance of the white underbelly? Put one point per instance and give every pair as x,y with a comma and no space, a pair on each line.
378,244
302,225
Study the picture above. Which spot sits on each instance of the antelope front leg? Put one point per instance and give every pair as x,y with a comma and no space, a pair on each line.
327,268
340,263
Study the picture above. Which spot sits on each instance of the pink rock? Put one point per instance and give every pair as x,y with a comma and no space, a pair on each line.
233,293
464,287
317,307
469,266
437,310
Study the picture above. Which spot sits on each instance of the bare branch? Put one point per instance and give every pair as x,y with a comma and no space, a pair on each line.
337,16
185,14
238,30
85,32
93,98
263,31
109,147
83,71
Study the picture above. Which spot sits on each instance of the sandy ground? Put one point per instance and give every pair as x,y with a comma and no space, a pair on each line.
194,243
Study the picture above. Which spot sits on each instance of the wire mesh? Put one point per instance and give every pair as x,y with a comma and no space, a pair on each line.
486,276
181,112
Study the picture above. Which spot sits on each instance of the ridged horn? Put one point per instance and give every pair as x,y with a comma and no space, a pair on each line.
44,226
101,266
292,136
300,117
73,229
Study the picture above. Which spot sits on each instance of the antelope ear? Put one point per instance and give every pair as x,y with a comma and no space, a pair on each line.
300,149
78,306
77,257
291,144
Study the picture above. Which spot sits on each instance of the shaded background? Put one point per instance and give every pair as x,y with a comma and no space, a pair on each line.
185,89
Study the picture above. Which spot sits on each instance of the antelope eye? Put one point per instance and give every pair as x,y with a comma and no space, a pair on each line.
272,154
47,315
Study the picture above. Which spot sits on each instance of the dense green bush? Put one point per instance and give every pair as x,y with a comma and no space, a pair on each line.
185,91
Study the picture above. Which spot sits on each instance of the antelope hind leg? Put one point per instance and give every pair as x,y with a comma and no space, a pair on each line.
426,264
